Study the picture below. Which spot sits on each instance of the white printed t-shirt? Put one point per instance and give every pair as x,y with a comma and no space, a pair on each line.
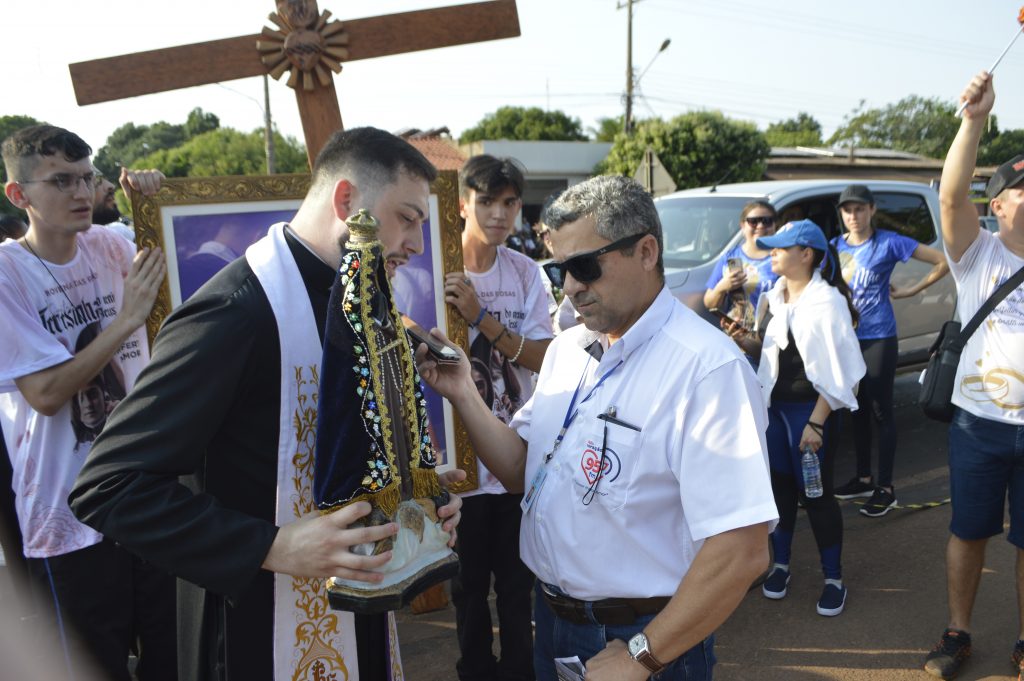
43,328
513,293
691,461
990,377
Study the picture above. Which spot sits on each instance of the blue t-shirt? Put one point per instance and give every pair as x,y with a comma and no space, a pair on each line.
760,278
867,268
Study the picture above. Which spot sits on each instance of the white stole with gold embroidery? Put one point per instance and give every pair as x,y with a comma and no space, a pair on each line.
311,641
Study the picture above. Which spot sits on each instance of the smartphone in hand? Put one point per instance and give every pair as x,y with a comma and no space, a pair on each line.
721,315
437,350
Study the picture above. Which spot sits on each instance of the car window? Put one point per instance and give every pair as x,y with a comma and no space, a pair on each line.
698,229
907,214
819,209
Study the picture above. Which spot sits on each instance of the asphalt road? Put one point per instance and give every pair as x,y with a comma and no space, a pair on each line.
893,567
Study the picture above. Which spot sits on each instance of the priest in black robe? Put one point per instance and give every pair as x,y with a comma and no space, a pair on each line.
185,473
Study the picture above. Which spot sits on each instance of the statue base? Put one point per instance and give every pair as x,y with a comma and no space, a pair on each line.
397,590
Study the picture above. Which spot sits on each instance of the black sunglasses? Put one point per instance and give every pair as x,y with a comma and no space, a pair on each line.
766,220
585,267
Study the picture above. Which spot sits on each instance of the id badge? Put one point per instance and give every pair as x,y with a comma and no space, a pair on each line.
535,485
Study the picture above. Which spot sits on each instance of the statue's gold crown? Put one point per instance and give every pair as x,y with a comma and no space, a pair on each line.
362,228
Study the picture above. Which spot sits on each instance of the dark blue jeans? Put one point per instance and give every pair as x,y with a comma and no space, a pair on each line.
560,638
986,469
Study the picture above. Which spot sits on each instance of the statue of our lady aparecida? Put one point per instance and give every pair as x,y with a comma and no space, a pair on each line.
372,438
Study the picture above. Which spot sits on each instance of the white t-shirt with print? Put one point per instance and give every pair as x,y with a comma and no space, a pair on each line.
42,326
513,293
990,377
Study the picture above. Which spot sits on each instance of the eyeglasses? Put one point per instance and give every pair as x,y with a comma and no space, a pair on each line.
766,220
585,267
68,182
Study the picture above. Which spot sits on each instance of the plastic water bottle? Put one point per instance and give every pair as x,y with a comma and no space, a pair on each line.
812,474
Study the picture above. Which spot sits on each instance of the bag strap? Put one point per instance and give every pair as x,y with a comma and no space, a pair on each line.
997,297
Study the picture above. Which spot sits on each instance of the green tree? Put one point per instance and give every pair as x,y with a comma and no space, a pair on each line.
8,126
914,124
131,142
802,131
226,151
1001,148
697,148
606,129
199,121
520,123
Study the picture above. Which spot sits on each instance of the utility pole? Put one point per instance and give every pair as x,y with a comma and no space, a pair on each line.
628,123
268,128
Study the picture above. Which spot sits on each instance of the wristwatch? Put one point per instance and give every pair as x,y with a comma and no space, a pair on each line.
640,650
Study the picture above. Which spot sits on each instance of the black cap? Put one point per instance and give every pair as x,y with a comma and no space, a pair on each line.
857,193
1008,175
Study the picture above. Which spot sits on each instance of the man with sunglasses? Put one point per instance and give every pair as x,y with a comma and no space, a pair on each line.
502,298
60,280
642,454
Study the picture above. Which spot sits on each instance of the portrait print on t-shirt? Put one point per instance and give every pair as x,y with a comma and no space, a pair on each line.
91,405
495,380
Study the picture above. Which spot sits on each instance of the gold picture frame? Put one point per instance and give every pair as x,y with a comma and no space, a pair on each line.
186,210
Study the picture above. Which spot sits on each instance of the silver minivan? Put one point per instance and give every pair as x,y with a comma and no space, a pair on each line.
701,224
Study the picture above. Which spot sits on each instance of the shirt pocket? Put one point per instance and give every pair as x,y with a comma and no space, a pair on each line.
605,480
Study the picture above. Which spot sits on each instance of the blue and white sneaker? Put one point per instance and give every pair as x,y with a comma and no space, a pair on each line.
776,585
833,598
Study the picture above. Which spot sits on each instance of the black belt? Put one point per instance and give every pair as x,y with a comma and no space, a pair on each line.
608,611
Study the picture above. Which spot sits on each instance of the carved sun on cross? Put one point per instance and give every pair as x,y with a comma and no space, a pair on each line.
308,44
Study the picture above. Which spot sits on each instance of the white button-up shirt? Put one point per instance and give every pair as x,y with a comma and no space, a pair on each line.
696,466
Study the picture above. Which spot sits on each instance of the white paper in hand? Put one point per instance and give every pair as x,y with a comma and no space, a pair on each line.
569,669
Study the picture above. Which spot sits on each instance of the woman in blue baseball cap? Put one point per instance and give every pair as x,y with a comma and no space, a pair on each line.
810,365
867,257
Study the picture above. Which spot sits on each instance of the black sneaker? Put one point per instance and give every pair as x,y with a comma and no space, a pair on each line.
854,489
833,600
948,654
880,503
776,586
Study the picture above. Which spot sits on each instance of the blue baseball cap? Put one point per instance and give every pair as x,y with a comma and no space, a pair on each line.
798,233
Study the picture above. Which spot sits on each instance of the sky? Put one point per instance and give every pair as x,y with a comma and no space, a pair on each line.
756,60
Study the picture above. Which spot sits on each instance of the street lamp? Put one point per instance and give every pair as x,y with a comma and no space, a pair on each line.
634,83
664,46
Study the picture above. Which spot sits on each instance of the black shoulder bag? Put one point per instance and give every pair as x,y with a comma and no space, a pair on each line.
936,397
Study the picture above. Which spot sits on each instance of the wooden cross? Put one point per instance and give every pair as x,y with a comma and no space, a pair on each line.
306,43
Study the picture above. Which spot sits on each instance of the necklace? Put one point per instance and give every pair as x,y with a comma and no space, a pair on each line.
26,244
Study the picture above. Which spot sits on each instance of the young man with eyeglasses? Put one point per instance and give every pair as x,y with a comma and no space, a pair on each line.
501,296
642,453
61,278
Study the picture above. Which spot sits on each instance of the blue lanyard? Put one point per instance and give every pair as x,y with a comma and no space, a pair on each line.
572,411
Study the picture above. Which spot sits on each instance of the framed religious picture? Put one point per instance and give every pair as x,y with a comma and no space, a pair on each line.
418,288
203,223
